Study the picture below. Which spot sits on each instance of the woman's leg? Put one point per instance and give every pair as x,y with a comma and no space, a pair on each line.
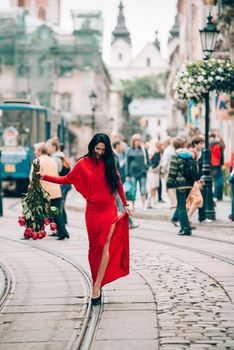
103,265
142,184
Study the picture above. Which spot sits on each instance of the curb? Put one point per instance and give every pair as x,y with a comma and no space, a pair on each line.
162,217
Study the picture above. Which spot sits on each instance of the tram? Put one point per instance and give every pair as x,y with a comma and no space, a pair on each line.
23,124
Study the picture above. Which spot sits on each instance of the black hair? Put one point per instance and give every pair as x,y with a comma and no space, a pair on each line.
108,159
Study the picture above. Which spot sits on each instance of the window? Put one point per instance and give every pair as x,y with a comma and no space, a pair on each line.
21,3
120,56
148,62
66,102
23,70
159,122
43,67
66,67
159,137
42,13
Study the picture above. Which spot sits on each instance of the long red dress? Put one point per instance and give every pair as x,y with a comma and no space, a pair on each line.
89,179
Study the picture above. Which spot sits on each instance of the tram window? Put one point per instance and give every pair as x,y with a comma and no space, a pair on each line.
18,121
34,129
42,120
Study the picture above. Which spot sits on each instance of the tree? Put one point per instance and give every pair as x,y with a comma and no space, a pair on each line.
145,87
148,86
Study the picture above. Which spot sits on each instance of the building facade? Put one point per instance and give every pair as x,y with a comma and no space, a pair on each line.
184,45
40,62
125,67
153,114
46,10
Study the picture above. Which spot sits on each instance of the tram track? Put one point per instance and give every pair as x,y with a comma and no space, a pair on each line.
84,338
176,245
6,278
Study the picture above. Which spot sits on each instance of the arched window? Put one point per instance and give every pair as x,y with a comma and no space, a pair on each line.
42,13
148,62
120,56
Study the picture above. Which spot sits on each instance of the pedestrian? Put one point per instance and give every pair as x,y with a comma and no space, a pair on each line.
119,149
182,174
231,179
217,160
59,156
153,173
48,164
65,188
137,165
168,151
95,177
120,164
195,199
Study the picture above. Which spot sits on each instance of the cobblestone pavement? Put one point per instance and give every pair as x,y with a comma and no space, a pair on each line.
179,294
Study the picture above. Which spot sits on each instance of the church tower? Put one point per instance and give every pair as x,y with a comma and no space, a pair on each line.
121,42
47,10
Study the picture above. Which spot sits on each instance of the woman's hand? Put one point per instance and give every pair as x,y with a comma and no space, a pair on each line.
128,210
41,174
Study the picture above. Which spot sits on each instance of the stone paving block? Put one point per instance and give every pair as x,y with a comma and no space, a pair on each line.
34,346
139,344
45,301
129,306
129,298
41,308
33,317
128,327
37,335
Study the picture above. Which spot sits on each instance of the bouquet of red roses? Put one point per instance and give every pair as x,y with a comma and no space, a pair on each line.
37,212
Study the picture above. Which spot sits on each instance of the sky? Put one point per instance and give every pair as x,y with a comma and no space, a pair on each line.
143,18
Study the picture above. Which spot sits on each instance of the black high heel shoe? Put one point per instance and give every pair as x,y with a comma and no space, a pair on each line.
97,301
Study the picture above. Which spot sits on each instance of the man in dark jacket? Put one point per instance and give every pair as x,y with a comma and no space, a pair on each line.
179,180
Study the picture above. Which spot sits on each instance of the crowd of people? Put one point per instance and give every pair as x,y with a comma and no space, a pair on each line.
154,165
151,167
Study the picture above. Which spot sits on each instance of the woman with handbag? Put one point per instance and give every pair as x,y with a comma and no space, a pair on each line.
95,176
231,180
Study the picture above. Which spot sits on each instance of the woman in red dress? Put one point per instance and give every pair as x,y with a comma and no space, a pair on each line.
96,178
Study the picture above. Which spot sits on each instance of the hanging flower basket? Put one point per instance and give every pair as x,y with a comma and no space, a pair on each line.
196,79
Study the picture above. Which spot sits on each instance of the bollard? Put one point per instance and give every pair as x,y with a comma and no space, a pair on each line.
1,206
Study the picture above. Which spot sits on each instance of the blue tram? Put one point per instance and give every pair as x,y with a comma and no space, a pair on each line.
21,126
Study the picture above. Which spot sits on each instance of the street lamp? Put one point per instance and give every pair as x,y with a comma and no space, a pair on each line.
208,37
93,102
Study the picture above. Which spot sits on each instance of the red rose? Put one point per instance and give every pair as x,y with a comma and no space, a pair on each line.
26,235
21,221
29,231
46,221
34,236
39,235
53,226
43,233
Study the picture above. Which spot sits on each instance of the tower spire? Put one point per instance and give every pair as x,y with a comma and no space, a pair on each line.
156,41
120,31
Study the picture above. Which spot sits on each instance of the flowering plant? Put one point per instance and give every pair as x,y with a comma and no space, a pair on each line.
37,212
196,79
